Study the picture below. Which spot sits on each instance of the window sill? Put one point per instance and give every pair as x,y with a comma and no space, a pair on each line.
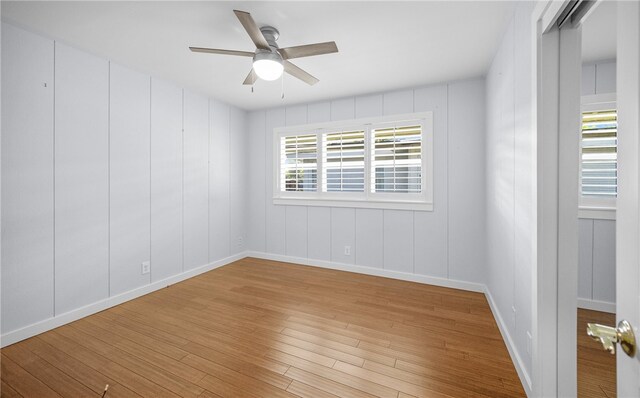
358,204
597,213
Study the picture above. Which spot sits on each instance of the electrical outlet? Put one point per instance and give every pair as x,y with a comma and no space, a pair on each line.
347,250
513,316
146,267
240,241
529,343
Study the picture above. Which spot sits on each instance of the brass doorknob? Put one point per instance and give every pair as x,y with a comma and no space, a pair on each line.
609,336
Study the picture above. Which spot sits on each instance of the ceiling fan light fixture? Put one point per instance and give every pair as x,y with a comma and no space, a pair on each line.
268,65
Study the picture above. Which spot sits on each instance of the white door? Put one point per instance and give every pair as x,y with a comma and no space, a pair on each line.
628,214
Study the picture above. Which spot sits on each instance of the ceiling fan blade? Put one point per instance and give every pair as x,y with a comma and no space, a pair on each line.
309,50
299,73
219,51
252,29
251,78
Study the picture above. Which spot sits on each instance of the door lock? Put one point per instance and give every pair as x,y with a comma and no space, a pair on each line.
608,336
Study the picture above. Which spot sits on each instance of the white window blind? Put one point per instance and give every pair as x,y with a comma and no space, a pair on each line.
396,159
599,158
343,161
299,163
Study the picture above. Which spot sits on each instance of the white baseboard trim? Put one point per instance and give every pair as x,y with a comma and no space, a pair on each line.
525,379
429,280
73,315
597,305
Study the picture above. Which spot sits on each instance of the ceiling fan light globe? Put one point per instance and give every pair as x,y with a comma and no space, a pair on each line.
268,65
268,69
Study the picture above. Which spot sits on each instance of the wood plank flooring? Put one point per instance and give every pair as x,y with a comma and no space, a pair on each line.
258,328
596,367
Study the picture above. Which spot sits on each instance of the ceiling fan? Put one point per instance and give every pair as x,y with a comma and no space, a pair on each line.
269,61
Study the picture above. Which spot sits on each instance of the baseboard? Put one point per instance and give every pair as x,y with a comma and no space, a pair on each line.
525,379
597,305
67,317
429,280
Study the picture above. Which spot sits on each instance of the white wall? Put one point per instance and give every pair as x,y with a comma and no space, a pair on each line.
597,242
510,184
445,243
133,169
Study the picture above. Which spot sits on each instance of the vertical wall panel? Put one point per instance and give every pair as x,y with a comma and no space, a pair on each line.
431,228
219,219
129,178
166,179
585,259
466,181
604,260
369,238
237,181
606,77
343,234
27,178
296,231
81,179
257,182
276,223
319,112
369,106
398,102
588,86
196,180
296,115
343,109
398,240
319,233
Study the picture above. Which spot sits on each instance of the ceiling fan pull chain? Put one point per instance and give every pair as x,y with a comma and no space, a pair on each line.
282,86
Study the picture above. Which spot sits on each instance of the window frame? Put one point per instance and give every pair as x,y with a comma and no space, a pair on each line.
588,206
367,199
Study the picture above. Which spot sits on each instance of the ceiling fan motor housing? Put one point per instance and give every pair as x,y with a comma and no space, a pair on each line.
270,34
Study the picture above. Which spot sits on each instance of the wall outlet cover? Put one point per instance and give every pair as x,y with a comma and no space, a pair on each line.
347,250
146,267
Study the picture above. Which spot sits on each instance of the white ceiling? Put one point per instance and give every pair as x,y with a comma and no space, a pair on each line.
599,33
383,45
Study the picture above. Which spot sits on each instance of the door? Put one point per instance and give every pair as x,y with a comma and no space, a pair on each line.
627,217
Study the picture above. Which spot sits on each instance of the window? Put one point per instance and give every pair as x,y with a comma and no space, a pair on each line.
396,159
343,161
598,154
373,163
299,163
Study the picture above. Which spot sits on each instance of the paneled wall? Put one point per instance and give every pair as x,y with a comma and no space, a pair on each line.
446,243
597,256
113,170
510,188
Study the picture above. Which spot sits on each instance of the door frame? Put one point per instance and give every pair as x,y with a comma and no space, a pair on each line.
628,215
556,90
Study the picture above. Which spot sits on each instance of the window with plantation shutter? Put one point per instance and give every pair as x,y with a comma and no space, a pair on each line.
299,160
599,163
343,161
598,157
384,162
396,159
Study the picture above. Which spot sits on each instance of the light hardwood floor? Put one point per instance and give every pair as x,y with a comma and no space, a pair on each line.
596,367
259,328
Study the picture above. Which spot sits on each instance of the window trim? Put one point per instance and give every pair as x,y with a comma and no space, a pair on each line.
589,207
366,199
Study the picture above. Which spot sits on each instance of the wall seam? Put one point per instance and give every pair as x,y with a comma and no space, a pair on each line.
109,178
54,177
150,178
448,224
